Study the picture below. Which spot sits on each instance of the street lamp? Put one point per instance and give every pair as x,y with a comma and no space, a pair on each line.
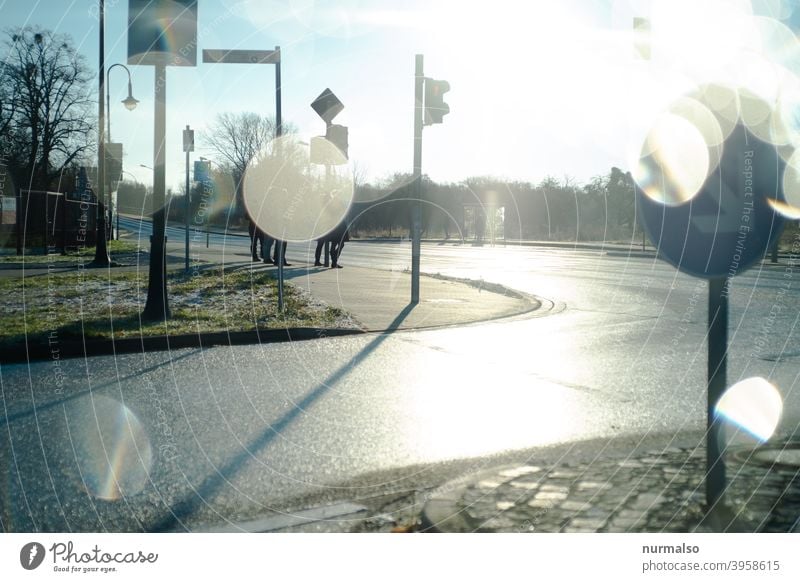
130,103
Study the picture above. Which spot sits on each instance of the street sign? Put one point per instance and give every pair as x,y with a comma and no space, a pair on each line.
327,105
242,57
162,33
188,139
729,224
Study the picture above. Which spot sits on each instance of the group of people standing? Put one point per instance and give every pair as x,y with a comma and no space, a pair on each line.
260,239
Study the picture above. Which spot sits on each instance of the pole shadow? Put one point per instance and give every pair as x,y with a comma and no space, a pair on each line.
196,499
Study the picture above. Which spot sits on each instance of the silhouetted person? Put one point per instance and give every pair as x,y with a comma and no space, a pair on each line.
318,252
337,237
251,231
280,247
256,239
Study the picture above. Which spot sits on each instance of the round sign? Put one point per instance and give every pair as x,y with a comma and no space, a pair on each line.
729,223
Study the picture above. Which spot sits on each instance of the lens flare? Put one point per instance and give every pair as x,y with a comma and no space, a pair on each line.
790,208
111,447
722,101
752,405
675,161
778,42
292,199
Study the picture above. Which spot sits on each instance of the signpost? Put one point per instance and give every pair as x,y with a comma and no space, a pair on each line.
160,34
724,229
188,146
258,57
328,106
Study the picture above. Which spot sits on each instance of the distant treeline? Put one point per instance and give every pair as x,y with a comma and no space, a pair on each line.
484,207
479,208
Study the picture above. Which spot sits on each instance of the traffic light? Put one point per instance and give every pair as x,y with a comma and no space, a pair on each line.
435,107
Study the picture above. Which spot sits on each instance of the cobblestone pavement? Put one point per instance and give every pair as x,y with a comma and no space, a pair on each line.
660,491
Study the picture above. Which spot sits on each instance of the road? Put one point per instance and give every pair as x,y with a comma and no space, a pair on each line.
201,437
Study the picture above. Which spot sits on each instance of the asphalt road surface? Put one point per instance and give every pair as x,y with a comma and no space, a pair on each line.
204,437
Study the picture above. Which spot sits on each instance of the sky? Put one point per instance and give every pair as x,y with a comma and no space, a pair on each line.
538,88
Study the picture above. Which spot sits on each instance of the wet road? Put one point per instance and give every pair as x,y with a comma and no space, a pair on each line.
205,436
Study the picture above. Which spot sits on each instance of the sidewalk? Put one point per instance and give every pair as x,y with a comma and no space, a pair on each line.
655,491
380,300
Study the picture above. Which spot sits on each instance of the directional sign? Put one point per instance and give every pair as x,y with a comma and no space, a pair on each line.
327,105
729,224
242,57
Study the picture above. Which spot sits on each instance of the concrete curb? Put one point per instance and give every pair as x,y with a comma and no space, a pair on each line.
443,513
79,349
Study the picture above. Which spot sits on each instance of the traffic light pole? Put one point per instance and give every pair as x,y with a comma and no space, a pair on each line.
278,133
416,210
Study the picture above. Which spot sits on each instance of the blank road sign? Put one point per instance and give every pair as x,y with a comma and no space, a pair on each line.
730,223
242,57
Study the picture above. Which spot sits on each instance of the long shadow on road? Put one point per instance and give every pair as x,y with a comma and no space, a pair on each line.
213,483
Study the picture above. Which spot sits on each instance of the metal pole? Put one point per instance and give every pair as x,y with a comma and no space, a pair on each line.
101,258
717,379
186,212
327,245
278,133
108,138
416,218
157,306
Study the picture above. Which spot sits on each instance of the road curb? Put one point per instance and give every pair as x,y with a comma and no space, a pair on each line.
78,348
442,511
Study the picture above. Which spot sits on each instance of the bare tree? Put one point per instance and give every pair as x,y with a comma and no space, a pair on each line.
48,119
236,138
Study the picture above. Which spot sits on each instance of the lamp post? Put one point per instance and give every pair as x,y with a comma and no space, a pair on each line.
130,103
